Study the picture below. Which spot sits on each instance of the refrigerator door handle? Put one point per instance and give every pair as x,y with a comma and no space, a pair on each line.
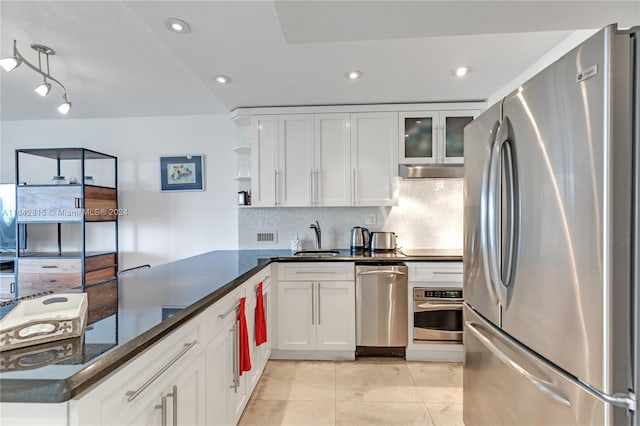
622,400
504,136
486,199
542,385
493,219
502,155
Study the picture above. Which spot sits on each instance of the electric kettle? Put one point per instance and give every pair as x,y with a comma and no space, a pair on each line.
360,238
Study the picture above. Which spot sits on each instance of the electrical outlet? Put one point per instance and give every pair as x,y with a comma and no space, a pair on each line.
370,219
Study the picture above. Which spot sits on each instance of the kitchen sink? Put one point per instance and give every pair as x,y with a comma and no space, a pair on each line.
316,253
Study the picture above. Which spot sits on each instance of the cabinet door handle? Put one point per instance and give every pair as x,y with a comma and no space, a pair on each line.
131,395
49,267
237,357
163,406
311,197
446,273
354,187
12,288
313,304
316,187
319,310
275,187
174,396
77,200
235,365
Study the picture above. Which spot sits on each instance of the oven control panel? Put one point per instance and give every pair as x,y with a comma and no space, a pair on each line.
436,293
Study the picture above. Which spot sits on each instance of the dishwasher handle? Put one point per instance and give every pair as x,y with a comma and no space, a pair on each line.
382,272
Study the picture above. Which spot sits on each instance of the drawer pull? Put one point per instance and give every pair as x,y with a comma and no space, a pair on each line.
51,281
446,273
235,308
50,267
131,395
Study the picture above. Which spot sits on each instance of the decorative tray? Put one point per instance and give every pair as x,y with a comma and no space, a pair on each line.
45,319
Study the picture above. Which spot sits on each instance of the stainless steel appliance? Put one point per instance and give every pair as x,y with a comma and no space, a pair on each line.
381,241
381,305
360,238
551,244
437,315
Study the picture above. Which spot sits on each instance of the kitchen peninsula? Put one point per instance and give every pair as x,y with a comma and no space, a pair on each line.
156,306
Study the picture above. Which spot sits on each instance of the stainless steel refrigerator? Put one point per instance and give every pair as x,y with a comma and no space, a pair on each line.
551,244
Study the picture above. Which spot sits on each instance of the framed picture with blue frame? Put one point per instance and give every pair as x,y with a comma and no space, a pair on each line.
182,173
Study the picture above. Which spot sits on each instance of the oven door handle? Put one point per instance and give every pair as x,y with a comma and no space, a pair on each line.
428,306
456,333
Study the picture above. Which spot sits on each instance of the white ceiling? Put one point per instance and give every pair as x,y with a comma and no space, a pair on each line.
117,59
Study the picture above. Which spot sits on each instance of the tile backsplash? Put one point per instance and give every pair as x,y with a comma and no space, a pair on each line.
429,215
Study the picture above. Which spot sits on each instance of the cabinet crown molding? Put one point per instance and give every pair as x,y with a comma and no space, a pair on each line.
239,115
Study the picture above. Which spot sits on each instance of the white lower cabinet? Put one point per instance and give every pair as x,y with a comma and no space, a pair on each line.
190,377
162,386
314,314
336,315
259,354
226,390
179,402
296,316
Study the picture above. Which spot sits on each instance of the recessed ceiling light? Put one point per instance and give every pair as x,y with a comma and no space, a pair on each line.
178,26
222,79
354,75
462,71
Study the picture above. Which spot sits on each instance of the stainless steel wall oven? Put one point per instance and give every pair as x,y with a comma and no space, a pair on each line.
437,315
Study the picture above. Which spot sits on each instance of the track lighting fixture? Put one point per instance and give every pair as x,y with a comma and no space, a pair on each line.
12,62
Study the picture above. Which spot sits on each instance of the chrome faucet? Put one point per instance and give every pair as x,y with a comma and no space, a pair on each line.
316,228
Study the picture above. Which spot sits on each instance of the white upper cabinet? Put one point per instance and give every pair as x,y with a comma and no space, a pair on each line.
451,131
295,161
347,155
433,136
332,168
264,164
374,158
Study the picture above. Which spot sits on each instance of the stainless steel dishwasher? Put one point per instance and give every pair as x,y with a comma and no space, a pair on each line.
381,305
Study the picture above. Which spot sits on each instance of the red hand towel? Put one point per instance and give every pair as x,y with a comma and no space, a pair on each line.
245,355
261,323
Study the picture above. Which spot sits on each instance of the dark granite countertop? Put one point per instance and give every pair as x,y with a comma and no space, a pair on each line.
151,303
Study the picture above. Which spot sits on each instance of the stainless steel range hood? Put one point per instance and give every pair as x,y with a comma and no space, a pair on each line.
422,171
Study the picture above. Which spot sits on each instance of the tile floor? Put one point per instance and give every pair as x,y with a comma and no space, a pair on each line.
370,391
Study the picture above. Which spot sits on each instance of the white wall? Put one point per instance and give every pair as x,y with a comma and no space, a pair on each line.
428,215
159,226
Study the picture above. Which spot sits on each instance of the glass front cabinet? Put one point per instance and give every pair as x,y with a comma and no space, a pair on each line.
433,136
